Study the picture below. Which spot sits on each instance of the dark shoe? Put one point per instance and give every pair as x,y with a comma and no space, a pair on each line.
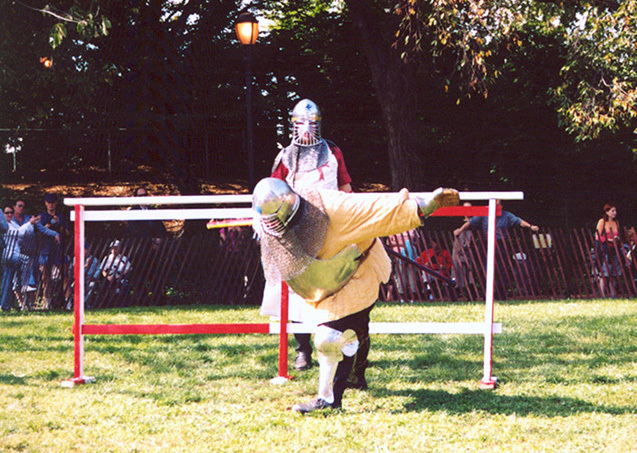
314,405
303,361
358,384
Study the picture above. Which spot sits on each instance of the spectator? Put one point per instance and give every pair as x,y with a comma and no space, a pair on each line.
608,247
503,223
439,260
154,229
152,234
631,252
29,248
54,229
115,269
403,274
234,263
12,260
92,272
4,227
462,261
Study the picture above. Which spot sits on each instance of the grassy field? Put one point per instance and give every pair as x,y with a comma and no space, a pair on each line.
567,373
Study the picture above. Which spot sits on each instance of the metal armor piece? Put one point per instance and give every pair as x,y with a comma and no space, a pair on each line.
322,278
289,250
276,204
439,198
306,123
287,254
300,159
333,343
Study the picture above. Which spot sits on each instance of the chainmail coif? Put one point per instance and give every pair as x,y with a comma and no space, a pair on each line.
287,256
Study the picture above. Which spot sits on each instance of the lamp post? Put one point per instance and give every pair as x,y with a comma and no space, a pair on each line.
247,28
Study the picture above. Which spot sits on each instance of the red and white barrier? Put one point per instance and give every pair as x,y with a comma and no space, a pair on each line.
80,215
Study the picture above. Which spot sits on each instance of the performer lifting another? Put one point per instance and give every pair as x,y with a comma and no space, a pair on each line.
323,243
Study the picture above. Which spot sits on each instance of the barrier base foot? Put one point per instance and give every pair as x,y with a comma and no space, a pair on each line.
69,383
280,380
489,384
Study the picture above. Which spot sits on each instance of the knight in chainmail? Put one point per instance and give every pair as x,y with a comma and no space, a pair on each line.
323,243
310,161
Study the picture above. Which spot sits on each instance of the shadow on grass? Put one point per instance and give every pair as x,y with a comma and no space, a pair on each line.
468,401
10,379
575,350
36,343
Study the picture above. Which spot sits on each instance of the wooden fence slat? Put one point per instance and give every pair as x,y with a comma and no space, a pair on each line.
199,269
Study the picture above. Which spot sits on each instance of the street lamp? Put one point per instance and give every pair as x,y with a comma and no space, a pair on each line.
247,28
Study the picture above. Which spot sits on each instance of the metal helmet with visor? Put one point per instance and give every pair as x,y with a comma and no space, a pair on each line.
306,124
275,204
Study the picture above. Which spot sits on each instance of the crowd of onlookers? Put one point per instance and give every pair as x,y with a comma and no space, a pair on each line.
32,252
37,264
525,265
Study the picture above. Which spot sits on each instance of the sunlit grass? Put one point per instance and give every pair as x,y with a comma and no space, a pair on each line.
567,373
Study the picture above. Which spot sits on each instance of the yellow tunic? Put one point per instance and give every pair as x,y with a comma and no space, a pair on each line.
359,219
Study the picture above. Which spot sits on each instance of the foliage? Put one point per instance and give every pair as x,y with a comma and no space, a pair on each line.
597,88
165,88
566,371
318,57
48,92
83,15
150,89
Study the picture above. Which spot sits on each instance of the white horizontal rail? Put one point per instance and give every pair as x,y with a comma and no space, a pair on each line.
165,214
160,200
462,328
247,198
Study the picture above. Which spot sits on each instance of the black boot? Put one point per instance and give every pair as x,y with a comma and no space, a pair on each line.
303,359
356,378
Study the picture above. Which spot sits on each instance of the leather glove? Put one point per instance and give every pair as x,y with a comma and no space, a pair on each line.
440,198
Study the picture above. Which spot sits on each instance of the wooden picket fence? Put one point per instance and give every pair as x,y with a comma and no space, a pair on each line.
551,264
224,268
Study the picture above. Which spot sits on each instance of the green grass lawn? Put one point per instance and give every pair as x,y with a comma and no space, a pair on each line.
567,373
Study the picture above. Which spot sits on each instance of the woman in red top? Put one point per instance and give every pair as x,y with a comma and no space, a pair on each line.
608,242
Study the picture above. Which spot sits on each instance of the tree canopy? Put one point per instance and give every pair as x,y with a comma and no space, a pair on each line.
503,94
597,80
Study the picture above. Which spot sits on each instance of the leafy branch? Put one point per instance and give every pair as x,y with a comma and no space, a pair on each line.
88,24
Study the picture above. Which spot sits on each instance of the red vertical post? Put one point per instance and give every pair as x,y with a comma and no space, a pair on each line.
78,301
79,292
283,333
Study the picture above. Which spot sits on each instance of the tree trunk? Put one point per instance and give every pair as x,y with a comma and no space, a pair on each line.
392,80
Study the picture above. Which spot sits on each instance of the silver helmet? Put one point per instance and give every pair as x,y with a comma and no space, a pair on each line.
275,204
306,124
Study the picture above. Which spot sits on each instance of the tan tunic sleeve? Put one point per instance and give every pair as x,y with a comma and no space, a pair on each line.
359,219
